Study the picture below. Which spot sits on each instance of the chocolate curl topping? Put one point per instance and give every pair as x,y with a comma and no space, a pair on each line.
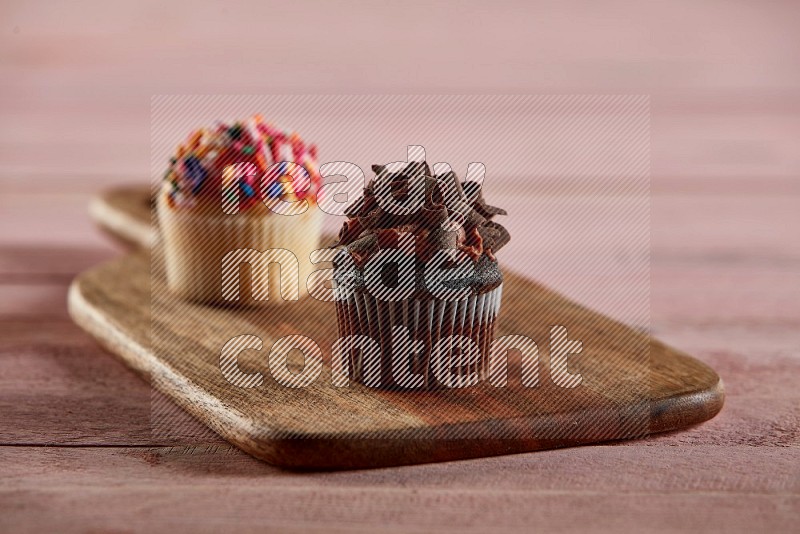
453,215
470,188
350,231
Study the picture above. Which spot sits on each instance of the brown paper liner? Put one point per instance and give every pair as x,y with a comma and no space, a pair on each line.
427,321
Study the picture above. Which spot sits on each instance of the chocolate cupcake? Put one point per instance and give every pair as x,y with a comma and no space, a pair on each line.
418,287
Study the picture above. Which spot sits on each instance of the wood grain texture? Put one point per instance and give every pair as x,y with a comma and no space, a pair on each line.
633,385
74,387
209,488
124,213
78,79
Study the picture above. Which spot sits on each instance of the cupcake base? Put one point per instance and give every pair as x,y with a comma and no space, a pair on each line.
197,247
399,362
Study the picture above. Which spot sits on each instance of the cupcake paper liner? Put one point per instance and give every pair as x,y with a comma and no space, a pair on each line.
196,245
427,322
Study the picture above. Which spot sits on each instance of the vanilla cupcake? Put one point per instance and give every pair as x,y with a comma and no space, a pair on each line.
418,289
240,193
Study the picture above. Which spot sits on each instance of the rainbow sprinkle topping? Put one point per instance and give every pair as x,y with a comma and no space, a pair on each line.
245,162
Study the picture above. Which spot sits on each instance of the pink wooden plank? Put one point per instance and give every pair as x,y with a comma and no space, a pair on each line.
685,46
48,219
57,387
40,301
609,488
30,264
591,469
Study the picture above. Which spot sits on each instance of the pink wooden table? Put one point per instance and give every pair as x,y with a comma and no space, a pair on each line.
76,451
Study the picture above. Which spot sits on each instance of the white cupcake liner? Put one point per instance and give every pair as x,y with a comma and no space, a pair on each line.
196,244
426,321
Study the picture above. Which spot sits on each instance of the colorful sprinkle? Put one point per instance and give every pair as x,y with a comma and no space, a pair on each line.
208,164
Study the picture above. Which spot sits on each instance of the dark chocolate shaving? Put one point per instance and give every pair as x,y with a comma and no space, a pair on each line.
453,216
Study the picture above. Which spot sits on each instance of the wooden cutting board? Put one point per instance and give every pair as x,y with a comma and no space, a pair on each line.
632,385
